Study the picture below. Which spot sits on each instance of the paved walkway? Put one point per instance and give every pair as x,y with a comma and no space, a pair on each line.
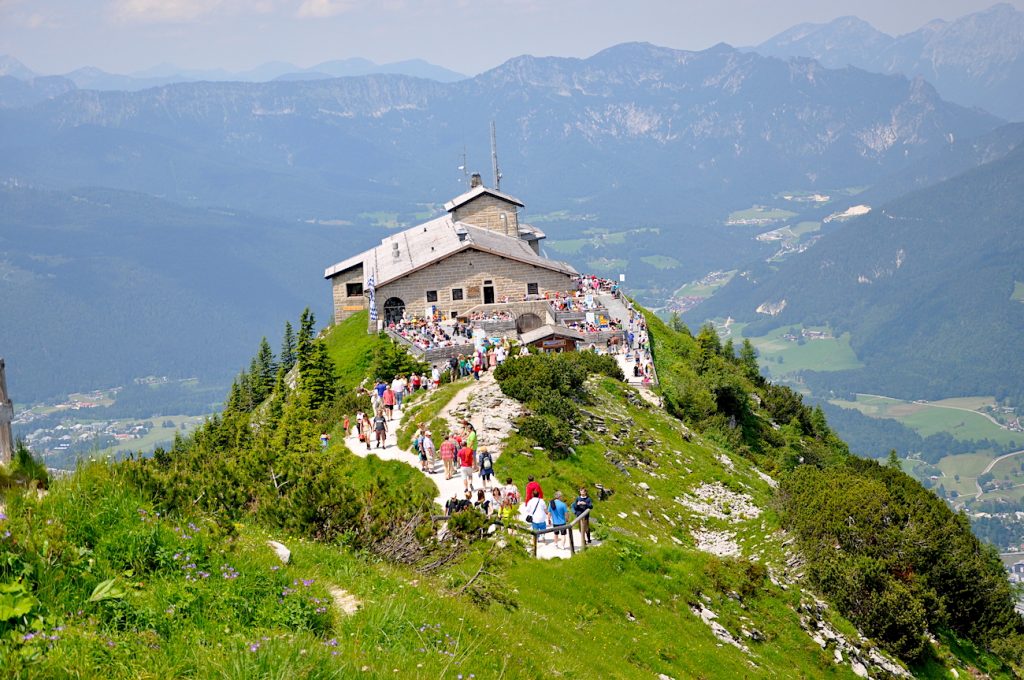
546,549
619,312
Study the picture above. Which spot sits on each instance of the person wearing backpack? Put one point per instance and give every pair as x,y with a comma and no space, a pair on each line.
486,467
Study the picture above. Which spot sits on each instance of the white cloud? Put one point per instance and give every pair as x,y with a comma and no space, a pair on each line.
157,11
318,9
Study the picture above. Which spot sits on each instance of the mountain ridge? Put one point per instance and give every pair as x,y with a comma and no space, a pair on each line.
975,60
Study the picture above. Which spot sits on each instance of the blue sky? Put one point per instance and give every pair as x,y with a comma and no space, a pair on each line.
55,36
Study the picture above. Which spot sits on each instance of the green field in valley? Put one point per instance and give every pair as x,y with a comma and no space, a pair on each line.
928,418
759,214
568,246
159,434
1018,291
782,357
801,228
704,288
661,261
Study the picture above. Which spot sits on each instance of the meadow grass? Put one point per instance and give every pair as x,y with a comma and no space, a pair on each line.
351,348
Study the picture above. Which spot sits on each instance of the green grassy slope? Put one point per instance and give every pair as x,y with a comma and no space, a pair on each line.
197,593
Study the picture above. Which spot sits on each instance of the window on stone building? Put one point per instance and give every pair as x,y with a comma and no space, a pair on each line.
353,289
456,294
431,296
532,289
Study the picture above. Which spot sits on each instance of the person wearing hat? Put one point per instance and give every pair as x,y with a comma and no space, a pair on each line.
428,449
558,510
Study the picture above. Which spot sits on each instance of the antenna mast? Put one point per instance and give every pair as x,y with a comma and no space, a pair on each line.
464,167
494,157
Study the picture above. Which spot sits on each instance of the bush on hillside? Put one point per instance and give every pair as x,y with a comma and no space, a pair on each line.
894,558
552,385
391,359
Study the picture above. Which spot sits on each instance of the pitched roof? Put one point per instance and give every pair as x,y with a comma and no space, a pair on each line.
410,250
462,199
546,331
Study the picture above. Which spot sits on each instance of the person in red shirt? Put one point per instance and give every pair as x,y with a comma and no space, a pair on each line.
389,402
533,486
466,467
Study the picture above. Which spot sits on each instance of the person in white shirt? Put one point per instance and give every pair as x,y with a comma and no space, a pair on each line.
398,387
537,512
435,376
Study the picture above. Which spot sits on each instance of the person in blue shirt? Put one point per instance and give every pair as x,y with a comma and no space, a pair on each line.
558,510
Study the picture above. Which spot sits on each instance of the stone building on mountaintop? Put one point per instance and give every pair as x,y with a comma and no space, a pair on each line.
478,253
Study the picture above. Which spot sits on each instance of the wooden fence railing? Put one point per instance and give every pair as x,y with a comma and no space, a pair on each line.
583,519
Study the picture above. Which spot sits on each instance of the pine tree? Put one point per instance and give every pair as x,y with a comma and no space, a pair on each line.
708,339
729,350
288,347
264,371
748,359
317,380
307,326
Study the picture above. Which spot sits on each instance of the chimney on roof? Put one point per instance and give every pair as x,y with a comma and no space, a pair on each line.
475,181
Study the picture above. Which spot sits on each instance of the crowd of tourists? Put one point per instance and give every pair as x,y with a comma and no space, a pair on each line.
580,301
592,283
600,324
432,333
493,315
501,502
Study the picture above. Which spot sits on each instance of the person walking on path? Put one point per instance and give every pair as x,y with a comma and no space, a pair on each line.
448,456
389,401
486,466
466,467
427,445
533,489
380,427
496,502
398,387
558,510
365,428
583,503
537,514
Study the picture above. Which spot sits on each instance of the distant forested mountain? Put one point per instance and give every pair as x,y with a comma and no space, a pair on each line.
635,130
930,286
636,136
98,287
977,60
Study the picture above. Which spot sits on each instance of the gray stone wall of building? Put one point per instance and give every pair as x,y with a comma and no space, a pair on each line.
467,271
346,305
485,211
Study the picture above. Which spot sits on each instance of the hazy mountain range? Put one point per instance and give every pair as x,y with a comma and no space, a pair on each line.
92,78
977,60
655,144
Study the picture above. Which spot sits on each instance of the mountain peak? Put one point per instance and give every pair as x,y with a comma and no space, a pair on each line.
9,66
